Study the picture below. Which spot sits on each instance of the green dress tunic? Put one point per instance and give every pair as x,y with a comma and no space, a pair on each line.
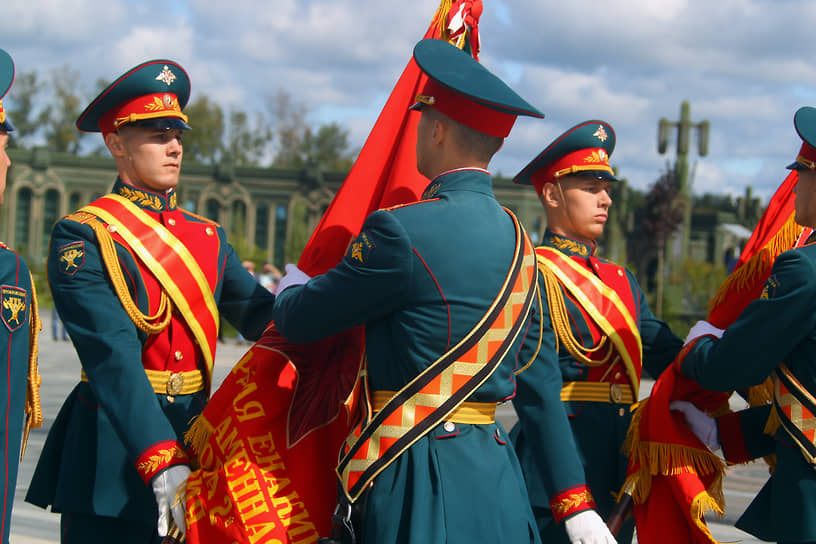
17,297
599,427
88,465
419,277
780,326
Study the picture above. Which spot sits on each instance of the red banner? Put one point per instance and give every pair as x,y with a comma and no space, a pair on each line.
269,439
673,477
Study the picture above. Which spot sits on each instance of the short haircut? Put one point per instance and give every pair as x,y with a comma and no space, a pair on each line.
477,144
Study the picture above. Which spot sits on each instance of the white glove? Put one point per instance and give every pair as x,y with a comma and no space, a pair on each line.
293,276
167,484
702,328
587,527
700,423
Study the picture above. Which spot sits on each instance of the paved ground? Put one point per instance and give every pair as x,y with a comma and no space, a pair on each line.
60,368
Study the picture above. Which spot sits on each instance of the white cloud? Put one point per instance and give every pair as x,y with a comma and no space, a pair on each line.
743,64
144,42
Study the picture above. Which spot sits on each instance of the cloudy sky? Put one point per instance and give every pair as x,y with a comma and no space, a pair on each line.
743,64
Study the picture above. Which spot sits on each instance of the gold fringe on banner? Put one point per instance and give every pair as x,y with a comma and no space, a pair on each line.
760,263
440,19
669,460
198,434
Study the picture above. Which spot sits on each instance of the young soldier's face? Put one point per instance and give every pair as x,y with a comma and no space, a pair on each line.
579,206
152,157
5,162
805,201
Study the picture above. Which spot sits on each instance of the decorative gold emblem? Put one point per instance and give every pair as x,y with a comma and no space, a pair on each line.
141,198
769,289
2,113
616,393
173,201
156,105
14,302
569,245
357,251
166,75
69,258
597,156
601,133
159,459
175,383
14,305
431,190
360,249
572,501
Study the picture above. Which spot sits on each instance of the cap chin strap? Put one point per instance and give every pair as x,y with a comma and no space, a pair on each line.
557,183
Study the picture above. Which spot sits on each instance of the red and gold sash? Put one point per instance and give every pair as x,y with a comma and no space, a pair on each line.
430,397
602,304
169,260
796,408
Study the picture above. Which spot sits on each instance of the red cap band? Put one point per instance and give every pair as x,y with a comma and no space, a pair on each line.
149,106
466,111
583,160
807,156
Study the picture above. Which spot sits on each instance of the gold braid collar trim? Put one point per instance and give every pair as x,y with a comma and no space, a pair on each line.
142,198
569,245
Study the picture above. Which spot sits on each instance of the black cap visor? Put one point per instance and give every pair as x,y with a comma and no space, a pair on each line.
596,174
161,123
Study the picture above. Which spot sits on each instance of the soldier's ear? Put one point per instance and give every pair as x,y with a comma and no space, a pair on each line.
113,141
551,195
438,129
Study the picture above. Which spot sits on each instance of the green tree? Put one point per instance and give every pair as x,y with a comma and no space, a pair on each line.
328,146
290,129
204,143
248,138
58,117
664,215
23,111
298,231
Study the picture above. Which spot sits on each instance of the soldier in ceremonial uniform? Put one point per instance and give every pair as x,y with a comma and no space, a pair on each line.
774,336
17,333
426,279
140,284
605,331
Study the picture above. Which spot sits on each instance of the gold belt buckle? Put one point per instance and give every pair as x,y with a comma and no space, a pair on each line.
175,383
616,393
